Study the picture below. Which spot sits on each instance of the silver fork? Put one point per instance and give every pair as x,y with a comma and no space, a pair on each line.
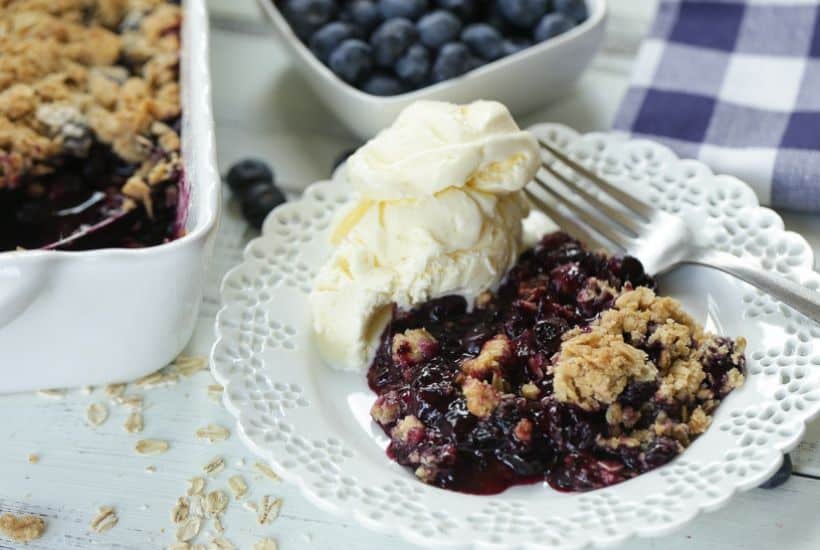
661,241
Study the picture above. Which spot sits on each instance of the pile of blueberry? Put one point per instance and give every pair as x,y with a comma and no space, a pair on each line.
388,47
254,185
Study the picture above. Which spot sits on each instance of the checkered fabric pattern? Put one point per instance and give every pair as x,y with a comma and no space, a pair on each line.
736,84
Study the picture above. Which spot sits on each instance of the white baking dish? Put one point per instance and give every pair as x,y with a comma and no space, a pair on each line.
78,318
524,81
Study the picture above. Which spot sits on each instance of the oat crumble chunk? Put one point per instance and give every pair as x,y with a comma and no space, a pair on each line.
22,528
89,124
575,372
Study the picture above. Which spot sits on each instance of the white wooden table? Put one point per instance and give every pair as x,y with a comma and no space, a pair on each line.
263,108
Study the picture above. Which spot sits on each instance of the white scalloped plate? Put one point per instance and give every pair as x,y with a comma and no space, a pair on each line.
313,424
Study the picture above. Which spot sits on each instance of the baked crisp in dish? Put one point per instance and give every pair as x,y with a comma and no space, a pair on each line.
89,124
575,372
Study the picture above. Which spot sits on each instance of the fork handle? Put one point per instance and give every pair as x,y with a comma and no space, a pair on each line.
800,298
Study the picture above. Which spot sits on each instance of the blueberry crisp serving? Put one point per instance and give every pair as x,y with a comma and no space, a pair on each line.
573,372
89,124
388,47
500,351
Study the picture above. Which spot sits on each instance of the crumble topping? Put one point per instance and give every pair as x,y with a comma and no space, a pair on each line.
596,365
594,368
482,398
494,353
405,427
76,71
413,346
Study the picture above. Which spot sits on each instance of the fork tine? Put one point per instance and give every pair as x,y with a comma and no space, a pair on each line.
599,224
566,223
638,206
617,215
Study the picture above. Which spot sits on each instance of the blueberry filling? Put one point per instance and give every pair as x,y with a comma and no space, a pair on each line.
80,206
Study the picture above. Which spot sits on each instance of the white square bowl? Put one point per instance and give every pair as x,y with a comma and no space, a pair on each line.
71,319
523,81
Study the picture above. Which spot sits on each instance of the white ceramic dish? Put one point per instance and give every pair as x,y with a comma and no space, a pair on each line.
524,81
313,423
78,318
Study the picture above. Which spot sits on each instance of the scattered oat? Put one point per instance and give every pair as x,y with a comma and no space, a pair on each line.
196,506
198,547
189,529
52,394
114,390
215,391
134,423
179,512
269,509
22,528
178,546
238,486
213,433
266,470
106,519
216,502
88,390
132,401
150,468
157,379
266,544
220,543
214,466
187,365
250,506
96,414
196,486
151,446
33,458
218,525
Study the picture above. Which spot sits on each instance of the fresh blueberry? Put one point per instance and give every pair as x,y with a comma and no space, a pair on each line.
259,200
364,14
781,476
453,60
495,19
382,85
523,13
326,39
438,28
246,173
342,158
515,45
352,61
308,16
574,9
485,41
414,66
391,40
551,26
475,63
465,9
410,9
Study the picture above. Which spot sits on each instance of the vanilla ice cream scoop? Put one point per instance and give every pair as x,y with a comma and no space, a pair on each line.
438,212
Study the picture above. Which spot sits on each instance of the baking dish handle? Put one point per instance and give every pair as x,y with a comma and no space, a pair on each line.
19,287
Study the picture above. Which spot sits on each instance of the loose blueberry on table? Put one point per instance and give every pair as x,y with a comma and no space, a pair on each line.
253,183
574,372
389,47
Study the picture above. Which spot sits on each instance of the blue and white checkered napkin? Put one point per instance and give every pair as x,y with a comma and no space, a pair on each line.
735,84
